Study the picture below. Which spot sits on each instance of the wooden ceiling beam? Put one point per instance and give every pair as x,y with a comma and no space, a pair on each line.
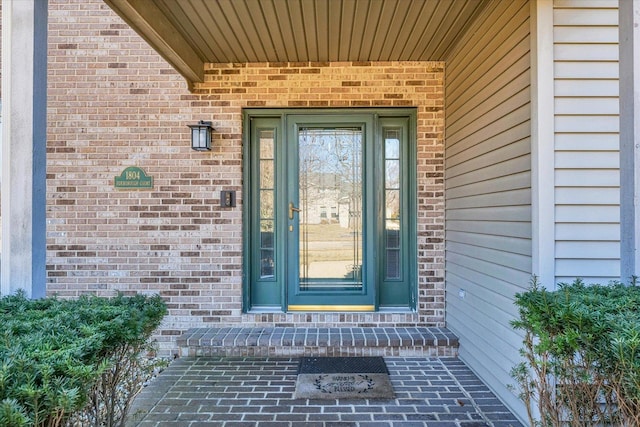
152,25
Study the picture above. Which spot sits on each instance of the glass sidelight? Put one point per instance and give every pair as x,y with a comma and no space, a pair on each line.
267,202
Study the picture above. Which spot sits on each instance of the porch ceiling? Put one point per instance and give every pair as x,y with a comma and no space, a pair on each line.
191,33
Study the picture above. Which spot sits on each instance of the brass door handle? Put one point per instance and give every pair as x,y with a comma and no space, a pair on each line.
292,209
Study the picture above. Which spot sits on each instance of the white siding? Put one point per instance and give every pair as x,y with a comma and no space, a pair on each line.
488,160
587,159
488,189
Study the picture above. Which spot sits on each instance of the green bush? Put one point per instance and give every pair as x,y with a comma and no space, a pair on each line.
57,355
581,353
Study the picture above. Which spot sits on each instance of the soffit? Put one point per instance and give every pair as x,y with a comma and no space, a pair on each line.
190,33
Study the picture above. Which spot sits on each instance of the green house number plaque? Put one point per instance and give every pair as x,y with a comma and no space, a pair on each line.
132,178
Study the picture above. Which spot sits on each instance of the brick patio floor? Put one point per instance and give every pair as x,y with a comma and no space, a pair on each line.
258,391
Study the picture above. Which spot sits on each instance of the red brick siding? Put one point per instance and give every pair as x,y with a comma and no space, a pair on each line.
114,103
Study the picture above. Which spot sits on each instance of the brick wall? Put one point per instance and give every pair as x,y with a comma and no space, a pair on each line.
114,103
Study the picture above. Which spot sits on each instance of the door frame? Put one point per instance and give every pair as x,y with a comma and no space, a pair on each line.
283,114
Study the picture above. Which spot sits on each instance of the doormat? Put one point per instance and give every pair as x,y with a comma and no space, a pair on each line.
343,377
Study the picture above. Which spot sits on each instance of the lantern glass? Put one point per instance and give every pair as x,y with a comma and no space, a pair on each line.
201,136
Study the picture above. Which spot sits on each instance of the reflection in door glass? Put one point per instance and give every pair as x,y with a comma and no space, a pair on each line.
330,197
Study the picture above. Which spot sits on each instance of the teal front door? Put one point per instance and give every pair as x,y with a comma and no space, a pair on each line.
326,216
328,223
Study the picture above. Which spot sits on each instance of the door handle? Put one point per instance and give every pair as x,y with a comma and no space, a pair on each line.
292,209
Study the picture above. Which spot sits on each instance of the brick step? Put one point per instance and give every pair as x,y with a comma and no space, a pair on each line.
290,341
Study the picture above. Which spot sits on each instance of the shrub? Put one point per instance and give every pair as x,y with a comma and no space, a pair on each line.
581,353
58,356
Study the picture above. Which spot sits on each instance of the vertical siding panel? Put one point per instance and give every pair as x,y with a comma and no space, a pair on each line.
489,257
586,139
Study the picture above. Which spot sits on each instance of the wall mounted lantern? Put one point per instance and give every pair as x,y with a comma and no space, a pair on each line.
201,136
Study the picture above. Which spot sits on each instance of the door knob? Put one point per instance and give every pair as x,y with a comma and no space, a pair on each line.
292,209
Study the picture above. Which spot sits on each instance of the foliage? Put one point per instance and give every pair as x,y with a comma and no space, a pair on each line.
111,396
55,354
581,352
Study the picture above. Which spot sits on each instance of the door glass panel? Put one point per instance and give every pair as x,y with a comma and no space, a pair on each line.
266,204
392,243
266,173
267,199
330,217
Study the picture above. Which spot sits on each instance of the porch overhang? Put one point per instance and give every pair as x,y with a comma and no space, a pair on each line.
192,33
